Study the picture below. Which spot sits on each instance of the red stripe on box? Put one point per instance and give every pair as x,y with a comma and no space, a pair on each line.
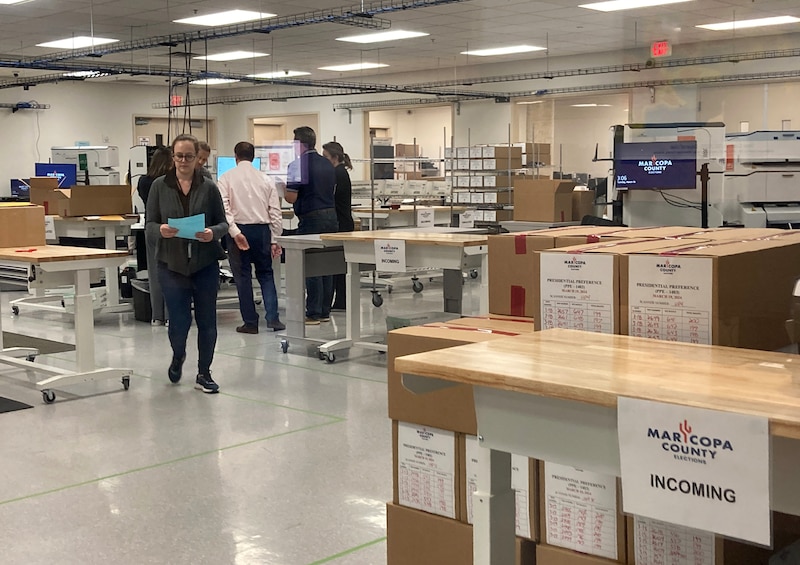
517,300
520,245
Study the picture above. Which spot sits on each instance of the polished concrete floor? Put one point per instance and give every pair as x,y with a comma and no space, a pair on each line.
290,464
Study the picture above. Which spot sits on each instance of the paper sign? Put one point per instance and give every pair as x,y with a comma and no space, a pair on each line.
466,219
660,542
426,469
188,226
703,469
50,228
390,255
424,217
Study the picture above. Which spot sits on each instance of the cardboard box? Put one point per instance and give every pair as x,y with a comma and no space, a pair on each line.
582,204
502,152
732,292
23,225
501,164
406,150
426,471
93,200
524,481
417,538
658,542
500,181
543,200
582,511
493,323
451,408
549,555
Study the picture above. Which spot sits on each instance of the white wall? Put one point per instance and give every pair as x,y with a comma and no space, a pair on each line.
482,121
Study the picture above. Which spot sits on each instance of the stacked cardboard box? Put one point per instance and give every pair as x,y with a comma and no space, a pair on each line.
95,200
543,200
23,225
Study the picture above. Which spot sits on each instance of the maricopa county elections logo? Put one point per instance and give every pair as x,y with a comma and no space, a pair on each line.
668,267
574,264
686,446
655,166
389,249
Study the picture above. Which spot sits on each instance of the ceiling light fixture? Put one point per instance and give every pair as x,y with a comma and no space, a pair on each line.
86,74
503,50
353,67
212,81
77,42
225,18
393,35
531,102
616,5
7,2
743,24
591,105
232,56
279,74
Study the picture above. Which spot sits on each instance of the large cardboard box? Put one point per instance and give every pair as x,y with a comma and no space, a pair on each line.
93,200
493,323
543,200
406,150
549,555
524,481
418,538
426,469
23,225
733,293
451,408
582,511
582,204
651,541
504,152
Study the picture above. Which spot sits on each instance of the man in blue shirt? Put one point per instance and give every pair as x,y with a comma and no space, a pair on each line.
310,185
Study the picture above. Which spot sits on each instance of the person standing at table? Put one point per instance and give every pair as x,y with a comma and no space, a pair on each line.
188,268
255,222
334,152
310,183
160,163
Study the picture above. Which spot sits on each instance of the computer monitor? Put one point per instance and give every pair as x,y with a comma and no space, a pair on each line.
225,164
21,189
66,173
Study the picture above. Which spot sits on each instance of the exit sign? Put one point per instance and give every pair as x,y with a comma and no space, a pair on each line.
660,49
176,100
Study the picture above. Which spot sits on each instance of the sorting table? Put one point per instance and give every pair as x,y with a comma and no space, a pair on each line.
552,395
450,251
405,216
78,261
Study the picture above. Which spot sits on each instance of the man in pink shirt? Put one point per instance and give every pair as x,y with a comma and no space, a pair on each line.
254,217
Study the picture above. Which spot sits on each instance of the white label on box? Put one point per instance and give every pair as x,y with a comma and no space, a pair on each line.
466,219
426,469
462,197
390,255
476,181
462,152
476,198
448,152
489,152
670,298
520,482
50,228
424,217
476,165
477,215
581,510
490,181
577,291
490,198
462,164
476,152
699,468
660,542
462,182
490,215
489,164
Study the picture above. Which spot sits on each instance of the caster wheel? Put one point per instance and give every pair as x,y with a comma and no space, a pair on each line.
284,345
377,300
15,310
126,383
330,357
321,356
48,396
473,274
30,358
416,286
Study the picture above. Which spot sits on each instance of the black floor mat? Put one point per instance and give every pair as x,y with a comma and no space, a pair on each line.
45,346
8,405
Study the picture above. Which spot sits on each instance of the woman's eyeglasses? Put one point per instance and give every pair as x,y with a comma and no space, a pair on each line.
182,157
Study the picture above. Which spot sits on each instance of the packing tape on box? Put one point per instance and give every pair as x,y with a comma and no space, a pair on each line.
520,244
470,329
517,300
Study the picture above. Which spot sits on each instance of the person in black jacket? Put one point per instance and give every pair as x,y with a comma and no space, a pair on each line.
334,152
188,267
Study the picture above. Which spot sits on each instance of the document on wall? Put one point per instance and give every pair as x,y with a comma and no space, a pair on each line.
670,544
189,226
390,255
670,298
577,291
426,469
581,510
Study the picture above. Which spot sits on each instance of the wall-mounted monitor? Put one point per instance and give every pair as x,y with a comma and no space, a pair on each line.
66,173
659,165
225,164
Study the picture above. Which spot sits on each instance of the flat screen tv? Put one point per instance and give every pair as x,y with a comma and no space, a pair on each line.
21,189
659,165
66,173
225,164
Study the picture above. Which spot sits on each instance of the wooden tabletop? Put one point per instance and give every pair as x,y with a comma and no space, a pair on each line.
51,253
599,368
132,219
411,237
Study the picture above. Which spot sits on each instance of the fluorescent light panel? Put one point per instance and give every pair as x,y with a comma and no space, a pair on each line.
77,42
393,35
7,2
212,81
616,5
503,50
353,67
531,102
232,56
743,24
225,18
86,74
591,105
280,74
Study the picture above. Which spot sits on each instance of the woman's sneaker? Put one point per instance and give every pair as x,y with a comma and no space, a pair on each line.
205,383
175,369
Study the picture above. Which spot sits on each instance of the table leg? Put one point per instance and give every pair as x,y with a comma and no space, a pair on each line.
84,322
353,291
483,291
494,506
453,290
295,293
112,273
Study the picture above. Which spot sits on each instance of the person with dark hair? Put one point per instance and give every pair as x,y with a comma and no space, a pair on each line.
203,153
160,163
188,268
310,182
255,222
334,152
